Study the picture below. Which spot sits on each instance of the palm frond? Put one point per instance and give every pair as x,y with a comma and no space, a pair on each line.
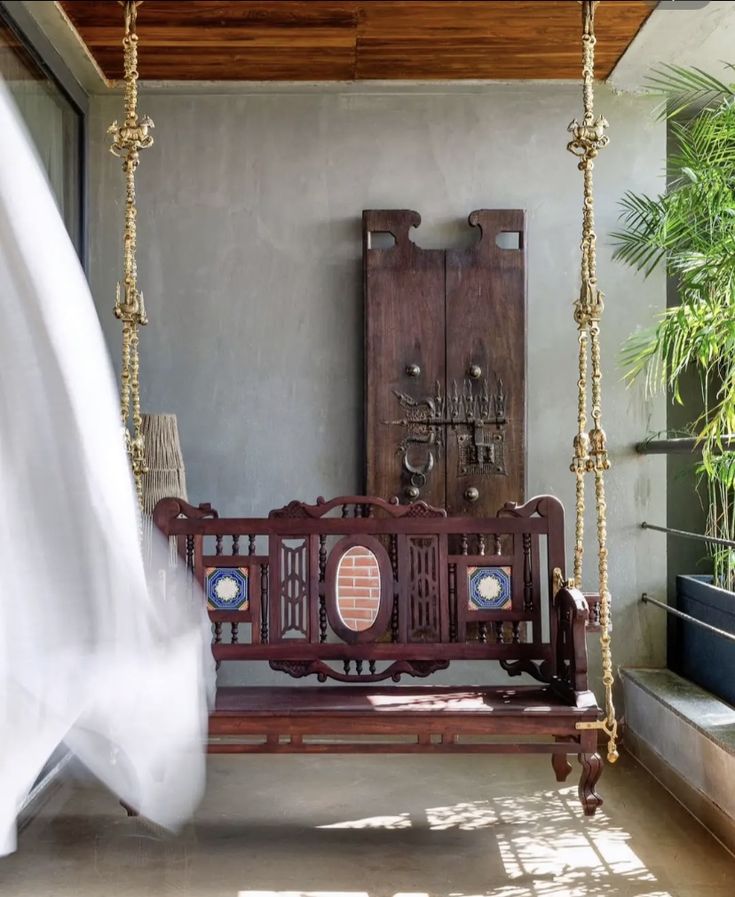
690,229
685,88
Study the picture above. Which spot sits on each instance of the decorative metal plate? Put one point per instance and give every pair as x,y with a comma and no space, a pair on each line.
477,415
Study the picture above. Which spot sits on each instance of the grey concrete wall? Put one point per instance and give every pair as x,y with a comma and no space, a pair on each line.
250,260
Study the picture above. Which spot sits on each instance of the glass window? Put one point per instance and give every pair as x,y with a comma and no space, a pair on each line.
54,123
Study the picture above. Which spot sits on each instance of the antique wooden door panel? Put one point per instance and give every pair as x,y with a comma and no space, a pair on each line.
485,367
404,354
445,363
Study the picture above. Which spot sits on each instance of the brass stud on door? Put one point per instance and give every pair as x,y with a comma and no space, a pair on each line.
413,370
471,494
474,371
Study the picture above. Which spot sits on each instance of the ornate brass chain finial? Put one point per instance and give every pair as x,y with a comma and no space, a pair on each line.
127,141
590,448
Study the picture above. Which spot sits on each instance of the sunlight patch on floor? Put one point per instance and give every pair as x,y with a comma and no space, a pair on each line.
389,823
539,889
547,848
307,894
324,894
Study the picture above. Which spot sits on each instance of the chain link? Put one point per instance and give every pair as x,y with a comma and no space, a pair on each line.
590,449
127,141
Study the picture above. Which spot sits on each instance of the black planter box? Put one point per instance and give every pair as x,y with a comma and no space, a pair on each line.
701,656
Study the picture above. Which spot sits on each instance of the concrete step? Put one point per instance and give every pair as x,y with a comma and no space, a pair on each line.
685,737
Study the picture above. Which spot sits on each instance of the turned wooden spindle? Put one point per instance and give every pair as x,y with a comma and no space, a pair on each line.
322,619
452,602
264,603
394,554
527,574
394,620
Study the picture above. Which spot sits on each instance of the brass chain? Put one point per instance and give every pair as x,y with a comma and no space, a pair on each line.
127,141
590,448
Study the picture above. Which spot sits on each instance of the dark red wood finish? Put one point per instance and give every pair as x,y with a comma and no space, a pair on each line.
404,325
437,324
422,625
486,326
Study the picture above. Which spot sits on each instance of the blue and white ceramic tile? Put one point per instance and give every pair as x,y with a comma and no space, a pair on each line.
227,588
489,588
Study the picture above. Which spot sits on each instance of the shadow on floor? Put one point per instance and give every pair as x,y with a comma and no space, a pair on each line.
368,827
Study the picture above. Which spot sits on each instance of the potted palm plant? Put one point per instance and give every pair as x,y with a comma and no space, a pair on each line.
690,230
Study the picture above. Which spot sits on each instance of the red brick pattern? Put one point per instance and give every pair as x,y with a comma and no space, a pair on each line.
358,588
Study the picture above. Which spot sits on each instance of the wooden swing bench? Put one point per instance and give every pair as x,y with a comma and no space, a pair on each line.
362,591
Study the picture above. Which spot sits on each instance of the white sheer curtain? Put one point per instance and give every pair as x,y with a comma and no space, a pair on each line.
89,654
52,121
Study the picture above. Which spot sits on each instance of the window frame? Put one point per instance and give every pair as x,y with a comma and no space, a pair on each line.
43,53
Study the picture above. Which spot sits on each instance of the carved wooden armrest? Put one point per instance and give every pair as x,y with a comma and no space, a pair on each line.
572,614
574,601
169,509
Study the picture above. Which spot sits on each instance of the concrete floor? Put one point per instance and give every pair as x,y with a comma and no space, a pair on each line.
373,826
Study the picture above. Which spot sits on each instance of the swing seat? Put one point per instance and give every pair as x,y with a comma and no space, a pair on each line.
365,592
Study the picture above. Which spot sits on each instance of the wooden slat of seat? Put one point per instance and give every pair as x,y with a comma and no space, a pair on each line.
477,701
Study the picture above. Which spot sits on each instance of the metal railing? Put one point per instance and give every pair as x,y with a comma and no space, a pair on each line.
687,535
646,599
679,445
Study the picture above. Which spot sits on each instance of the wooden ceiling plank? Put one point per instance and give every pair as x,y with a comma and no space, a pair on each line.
224,37
253,65
290,13
346,39
514,18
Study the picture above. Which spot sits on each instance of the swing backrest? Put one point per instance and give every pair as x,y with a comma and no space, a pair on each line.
357,580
